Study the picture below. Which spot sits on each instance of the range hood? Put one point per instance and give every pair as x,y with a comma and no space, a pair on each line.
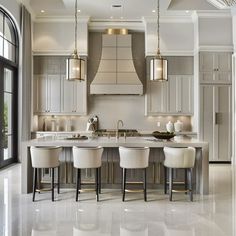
116,73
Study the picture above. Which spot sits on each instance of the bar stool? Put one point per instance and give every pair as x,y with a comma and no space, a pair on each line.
134,158
88,158
180,158
45,157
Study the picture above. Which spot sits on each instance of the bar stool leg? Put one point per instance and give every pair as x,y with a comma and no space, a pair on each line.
124,183
165,180
34,183
170,183
77,185
145,184
100,180
58,179
190,171
97,184
186,180
52,184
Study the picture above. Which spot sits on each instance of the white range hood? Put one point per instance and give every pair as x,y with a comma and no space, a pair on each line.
116,72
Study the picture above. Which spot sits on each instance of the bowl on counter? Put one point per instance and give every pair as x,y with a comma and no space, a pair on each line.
163,135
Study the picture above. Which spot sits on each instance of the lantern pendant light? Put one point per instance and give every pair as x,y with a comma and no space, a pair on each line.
158,65
75,66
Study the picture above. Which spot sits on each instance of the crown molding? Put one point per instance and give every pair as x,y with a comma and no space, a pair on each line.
169,19
172,53
56,53
43,19
214,14
216,48
103,25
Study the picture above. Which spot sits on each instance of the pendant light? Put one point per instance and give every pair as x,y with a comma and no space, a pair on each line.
75,66
158,65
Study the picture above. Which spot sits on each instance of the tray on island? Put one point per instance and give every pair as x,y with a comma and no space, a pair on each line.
163,135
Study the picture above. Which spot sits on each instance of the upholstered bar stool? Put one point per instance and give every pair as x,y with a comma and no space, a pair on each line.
45,157
180,158
134,158
88,158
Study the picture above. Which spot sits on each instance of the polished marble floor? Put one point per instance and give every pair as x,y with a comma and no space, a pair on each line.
211,215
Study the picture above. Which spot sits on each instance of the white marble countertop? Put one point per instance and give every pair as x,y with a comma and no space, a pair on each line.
113,142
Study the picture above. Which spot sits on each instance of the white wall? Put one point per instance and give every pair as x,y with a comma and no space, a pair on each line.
215,31
58,37
175,38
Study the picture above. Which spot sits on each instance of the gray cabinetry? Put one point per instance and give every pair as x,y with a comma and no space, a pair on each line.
174,97
216,120
180,95
48,91
73,97
52,93
215,67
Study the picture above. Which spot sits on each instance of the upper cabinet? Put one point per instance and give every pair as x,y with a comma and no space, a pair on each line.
53,94
215,67
174,97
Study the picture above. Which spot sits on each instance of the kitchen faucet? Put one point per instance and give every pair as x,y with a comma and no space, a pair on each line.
117,127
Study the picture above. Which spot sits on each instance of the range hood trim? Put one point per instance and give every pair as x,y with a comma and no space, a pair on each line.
116,89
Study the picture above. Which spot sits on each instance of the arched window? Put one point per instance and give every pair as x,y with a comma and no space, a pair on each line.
9,49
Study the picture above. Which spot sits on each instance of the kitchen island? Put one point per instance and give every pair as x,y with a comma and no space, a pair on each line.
111,173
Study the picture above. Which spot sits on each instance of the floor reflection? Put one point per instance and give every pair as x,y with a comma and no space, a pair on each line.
209,215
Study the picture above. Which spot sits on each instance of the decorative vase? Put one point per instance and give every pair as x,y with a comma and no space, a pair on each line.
170,127
178,126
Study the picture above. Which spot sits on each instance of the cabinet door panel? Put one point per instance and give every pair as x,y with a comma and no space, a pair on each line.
80,97
223,123
67,101
54,93
41,81
172,94
207,104
186,94
206,62
158,97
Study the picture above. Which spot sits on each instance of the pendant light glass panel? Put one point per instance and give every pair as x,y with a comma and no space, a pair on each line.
159,69
75,69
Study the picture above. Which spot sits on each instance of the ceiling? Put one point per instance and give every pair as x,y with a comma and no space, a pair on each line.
130,10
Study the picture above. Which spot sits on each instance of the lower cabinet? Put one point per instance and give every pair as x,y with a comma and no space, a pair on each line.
215,120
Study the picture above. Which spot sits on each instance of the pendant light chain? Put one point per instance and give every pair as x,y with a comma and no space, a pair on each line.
76,26
158,27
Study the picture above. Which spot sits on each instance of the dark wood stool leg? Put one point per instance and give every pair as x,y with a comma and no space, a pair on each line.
124,183
58,179
77,185
165,180
52,184
170,183
186,180
190,171
97,184
34,183
38,181
100,180
145,184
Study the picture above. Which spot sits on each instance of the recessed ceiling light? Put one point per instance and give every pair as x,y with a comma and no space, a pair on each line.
187,11
153,11
42,11
78,10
